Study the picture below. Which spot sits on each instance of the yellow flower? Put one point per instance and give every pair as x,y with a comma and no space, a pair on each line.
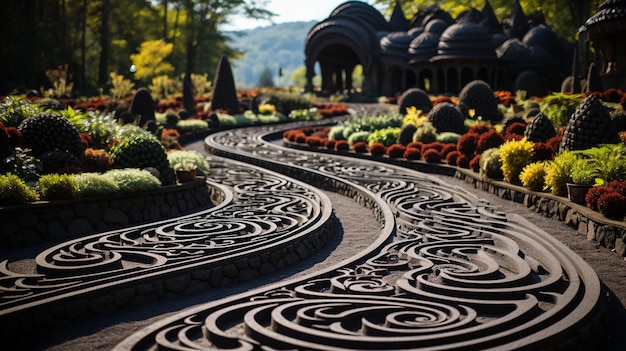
267,109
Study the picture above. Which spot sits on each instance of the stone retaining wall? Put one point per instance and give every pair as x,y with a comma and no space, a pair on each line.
30,224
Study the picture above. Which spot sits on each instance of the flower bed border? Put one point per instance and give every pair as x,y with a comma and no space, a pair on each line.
607,232
45,221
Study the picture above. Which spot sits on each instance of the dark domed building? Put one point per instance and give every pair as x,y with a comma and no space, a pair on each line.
432,51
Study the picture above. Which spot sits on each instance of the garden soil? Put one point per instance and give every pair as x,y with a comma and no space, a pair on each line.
355,234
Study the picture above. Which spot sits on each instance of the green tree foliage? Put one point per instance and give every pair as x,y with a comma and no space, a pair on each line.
43,34
150,60
266,79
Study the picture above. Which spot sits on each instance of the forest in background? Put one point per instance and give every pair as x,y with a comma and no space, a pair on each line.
90,39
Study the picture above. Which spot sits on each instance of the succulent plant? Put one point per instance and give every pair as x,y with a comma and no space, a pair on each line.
479,97
142,151
590,125
224,90
50,132
445,117
539,129
414,97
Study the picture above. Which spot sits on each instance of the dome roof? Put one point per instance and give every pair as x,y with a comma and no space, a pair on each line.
424,46
398,42
542,36
465,40
351,31
436,26
432,12
513,50
363,11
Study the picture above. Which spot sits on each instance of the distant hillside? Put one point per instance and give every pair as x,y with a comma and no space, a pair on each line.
277,46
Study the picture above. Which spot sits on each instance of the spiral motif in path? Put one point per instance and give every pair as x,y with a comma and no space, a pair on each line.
458,275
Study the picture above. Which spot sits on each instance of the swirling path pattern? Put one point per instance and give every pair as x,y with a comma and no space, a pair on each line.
448,273
261,222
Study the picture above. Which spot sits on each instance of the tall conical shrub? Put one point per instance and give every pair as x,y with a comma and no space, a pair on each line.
224,91
143,106
589,126
188,95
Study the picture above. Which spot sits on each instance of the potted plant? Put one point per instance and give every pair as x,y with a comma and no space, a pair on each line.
185,171
583,176
187,164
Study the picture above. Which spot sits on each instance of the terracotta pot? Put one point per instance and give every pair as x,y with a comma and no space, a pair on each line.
186,176
577,192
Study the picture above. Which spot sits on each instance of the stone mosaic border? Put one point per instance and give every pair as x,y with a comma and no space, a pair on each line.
46,221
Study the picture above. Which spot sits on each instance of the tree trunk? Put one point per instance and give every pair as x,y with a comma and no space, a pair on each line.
104,45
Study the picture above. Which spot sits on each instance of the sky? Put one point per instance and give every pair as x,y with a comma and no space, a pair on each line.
289,11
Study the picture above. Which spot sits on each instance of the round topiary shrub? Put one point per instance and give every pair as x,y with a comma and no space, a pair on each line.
463,160
415,145
447,148
329,144
432,156
360,147
445,117
490,165
396,150
477,96
542,152
452,157
515,155
533,176
489,140
414,97
411,153
467,143
593,194
612,205
378,149
342,145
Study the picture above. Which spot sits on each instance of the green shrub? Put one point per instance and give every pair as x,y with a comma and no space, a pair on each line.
57,187
559,172
386,136
306,114
178,157
13,191
13,110
95,184
426,133
336,132
285,102
226,120
515,155
490,165
358,136
448,137
130,180
533,176
192,125
142,151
